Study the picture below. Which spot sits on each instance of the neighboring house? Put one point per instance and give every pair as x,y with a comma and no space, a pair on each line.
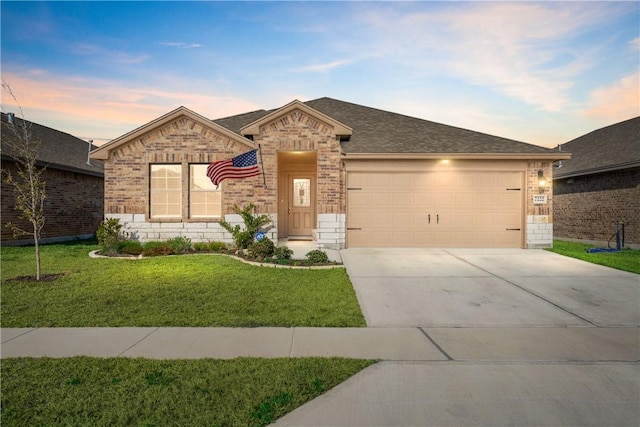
600,185
74,189
341,174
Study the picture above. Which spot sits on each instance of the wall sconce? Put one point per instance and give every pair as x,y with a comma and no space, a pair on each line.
542,181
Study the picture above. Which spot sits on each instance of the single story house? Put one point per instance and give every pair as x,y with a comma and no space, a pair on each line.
74,186
338,173
600,185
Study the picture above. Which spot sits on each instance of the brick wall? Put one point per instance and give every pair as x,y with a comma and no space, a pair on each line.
73,205
539,220
587,207
185,141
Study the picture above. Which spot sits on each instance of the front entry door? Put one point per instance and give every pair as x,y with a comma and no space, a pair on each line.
301,206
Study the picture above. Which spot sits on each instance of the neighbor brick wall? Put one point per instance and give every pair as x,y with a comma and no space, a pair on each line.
587,207
73,205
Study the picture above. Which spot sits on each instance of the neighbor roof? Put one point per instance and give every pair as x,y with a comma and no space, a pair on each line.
610,148
58,150
382,132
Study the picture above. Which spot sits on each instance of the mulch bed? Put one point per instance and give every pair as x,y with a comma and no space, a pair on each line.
43,278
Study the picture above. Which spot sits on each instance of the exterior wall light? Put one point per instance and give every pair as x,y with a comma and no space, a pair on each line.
542,181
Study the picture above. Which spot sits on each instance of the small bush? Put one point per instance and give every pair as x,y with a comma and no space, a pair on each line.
157,248
261,249
130,247
180,245
243,237
201,246
218,246
282,253
108,235
317,256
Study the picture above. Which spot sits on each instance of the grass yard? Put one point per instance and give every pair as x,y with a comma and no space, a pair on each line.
83,391
188,290
626,259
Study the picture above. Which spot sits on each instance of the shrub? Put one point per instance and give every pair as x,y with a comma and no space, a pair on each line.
180,245
201,246
317,256
157,248
108,235
243,237
261,249
217,246
282,252
130,247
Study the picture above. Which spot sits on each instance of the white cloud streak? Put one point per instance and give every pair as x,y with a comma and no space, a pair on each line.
181,45
322,68
518,49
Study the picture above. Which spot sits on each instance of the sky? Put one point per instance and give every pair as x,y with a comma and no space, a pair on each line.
539,72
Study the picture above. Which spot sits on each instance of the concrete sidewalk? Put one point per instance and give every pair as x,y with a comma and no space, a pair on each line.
393,344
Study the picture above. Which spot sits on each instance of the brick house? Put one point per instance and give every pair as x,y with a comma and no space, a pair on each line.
600,185
337,173
74,189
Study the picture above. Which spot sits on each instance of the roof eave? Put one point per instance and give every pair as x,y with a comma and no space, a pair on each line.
340,129
460,156
559,175
102,152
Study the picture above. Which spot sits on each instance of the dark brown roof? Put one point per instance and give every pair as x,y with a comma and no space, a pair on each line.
58,149
610,148
379,131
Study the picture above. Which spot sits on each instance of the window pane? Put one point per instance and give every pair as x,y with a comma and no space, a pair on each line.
301,193
166,191
204,198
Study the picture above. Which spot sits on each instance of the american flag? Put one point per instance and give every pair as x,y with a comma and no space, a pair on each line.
242,166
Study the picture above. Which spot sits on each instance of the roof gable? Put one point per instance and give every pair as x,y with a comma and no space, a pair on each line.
254,128
609,148
58,150
104,151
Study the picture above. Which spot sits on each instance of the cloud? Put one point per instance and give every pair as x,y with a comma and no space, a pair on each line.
523,50
104,109
108,56
322,68
181,45
616,102
635,43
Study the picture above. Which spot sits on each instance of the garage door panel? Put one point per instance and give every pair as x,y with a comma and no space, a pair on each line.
435,209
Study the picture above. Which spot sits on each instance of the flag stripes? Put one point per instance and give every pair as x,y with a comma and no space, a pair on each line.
243,166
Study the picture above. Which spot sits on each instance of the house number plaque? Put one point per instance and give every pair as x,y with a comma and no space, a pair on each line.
539,199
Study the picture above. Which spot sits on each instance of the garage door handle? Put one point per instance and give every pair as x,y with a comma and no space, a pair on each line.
429,218
438,219
354,228
513,229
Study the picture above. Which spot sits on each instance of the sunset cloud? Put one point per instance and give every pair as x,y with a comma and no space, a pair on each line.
120,108
616,102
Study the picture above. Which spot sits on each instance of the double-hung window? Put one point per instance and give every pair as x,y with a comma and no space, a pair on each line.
166,191
205,200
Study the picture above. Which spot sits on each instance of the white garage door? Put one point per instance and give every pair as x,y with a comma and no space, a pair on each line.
435,209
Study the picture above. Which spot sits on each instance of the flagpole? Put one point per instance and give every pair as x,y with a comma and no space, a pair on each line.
264,178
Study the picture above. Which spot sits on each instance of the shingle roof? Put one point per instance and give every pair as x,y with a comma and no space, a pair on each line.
610,148
379,131
57,150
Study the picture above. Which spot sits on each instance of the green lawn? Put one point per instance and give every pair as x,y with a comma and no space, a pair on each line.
83,391
188,290
626,259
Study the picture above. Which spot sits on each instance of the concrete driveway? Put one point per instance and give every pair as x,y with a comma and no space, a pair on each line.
489,288
528,337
